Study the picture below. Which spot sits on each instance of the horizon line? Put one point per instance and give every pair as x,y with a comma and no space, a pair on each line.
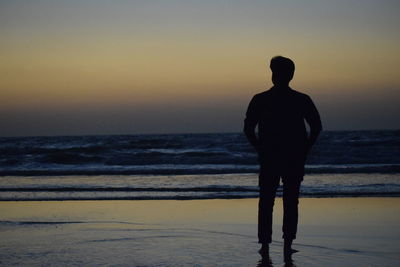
181,133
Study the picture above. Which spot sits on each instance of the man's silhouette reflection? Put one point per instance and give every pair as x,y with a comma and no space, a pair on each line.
282,145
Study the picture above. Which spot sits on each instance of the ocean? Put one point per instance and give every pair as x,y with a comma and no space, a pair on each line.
188,166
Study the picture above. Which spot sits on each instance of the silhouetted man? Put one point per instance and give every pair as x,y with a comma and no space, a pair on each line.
282,145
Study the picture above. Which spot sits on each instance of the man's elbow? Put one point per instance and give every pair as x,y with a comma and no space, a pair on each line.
317,129
248,130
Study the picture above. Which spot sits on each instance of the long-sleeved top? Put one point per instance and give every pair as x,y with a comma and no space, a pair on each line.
280,114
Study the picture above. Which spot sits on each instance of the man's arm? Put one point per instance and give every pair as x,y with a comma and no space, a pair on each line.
313,119
250,124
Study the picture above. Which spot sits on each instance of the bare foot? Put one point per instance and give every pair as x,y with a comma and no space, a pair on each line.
291,251
264,250
288,247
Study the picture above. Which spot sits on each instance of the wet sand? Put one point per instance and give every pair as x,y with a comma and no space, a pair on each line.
332,232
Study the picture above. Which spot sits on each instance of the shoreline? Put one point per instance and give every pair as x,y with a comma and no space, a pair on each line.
311,196
188,187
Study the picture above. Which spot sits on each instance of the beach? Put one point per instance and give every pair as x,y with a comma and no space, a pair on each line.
191,200
213,232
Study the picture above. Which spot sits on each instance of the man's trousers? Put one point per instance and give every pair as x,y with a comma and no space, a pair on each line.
269,183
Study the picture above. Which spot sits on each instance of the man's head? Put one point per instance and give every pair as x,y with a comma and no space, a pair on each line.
282,70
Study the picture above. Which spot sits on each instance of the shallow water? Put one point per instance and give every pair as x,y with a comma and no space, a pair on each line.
355,232
187,186
124,244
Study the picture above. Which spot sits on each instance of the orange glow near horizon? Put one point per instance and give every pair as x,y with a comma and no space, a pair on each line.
74,56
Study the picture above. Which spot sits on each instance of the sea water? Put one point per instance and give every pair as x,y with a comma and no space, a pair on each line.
188,166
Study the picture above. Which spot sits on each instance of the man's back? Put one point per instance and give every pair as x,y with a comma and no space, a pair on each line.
280,114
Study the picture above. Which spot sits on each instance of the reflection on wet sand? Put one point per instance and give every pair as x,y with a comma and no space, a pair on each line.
266,260
200,232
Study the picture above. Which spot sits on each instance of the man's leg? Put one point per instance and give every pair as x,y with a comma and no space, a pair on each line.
268,186
291,189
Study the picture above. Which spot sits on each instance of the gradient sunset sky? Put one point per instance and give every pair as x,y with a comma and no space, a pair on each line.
169,66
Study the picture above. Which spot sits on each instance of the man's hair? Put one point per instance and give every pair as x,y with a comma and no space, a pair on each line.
282,68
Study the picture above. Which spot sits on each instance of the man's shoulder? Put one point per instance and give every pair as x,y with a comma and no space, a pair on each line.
271,93
300,97
299,94
262,94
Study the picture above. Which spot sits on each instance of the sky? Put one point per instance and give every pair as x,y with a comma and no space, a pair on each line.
188,66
